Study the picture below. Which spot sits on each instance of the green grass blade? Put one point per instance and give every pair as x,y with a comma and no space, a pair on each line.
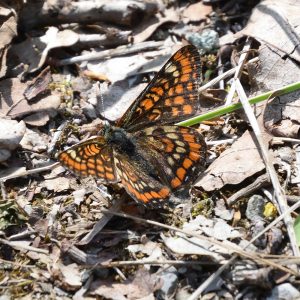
233,107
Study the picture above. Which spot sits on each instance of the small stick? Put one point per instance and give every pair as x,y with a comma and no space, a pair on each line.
18,246
260,182
155,262
29,172
120,51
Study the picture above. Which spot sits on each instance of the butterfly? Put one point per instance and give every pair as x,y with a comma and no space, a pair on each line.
151,157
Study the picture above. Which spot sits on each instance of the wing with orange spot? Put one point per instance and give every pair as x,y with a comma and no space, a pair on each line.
178,153
140,186
92,157
171,96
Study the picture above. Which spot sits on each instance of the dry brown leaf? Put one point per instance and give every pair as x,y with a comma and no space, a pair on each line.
197,12
142,285
145,30
234,165
34,51
15,105
70,276
8,30
56,183
280,116
277,24
193,246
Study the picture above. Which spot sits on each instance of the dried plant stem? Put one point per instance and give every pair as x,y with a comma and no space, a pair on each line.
29,172
279,194
232,248
156,262
271,171
19,245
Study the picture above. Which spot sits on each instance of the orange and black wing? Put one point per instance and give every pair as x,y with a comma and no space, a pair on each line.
92,157
171,96
138,184
178,153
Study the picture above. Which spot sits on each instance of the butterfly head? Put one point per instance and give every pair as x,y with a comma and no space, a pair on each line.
105,130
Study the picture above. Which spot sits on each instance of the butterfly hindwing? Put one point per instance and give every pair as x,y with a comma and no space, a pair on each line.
171,96
92,157
139,185
177,152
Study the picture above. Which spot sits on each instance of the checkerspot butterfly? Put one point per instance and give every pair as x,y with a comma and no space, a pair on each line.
151,157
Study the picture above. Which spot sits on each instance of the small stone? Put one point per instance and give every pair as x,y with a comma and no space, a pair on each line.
170,279
207,41
284,291
11,133
255,208
4,154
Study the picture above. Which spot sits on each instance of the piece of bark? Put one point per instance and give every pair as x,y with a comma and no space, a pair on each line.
126,13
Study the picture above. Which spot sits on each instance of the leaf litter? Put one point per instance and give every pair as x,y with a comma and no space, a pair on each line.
56,238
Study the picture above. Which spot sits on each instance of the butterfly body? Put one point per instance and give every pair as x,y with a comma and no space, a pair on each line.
149,156
119,139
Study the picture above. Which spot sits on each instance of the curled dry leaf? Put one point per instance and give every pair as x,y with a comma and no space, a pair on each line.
69,276
56,183
281,115
146,29
15,105
34,51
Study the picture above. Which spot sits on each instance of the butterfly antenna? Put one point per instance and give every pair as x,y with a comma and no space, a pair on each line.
102,110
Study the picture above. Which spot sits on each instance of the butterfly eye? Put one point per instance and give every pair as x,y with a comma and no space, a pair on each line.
105,130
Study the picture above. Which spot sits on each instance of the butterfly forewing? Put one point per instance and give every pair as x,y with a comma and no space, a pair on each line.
171,96
92,157
178,153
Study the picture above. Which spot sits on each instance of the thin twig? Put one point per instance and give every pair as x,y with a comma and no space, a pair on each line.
29,172
120,51
19,246
259,182
280,197
156,262
104,219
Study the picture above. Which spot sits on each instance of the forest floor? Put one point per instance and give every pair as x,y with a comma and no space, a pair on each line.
231,232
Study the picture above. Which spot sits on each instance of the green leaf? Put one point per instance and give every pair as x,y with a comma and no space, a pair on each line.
297,229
